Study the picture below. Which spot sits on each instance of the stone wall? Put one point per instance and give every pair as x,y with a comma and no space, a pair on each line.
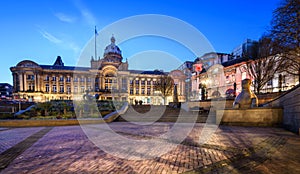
262,99
207,103
250,117
290,102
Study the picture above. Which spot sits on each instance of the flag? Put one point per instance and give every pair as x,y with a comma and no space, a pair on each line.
96,33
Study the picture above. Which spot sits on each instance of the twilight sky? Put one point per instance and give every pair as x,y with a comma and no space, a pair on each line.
42,30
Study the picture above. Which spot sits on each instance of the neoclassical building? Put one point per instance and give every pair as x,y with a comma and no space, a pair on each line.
219,75
108,77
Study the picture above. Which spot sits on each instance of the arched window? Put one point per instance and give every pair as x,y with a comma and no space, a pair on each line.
110,81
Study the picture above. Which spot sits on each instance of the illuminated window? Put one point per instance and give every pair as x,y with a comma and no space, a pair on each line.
69,89
143,90
47,88
124,84
75,89
30,77
148,90
131,90
31,86
54,88
61,88
68,79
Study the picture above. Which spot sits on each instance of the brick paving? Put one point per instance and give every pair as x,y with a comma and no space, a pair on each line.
11,137
229,150
10,154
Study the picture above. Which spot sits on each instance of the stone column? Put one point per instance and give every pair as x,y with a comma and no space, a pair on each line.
140,86
183,88
146,86
151,87
25,82
119,83
35,78
72,84
39,82
101,82
128,86
21,81
57,84
65,84
85,82
134,87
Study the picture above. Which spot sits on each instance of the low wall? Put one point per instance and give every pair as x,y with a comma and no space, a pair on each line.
60,122
35,123
250,117
262,99
290,102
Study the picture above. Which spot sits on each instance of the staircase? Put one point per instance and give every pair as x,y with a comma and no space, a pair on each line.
147,113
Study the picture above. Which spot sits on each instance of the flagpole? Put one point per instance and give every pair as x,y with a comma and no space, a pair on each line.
95,43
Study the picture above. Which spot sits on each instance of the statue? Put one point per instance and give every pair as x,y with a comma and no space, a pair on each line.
87,96
246,99
175,94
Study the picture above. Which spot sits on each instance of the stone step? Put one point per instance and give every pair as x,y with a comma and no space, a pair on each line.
162,119
160,114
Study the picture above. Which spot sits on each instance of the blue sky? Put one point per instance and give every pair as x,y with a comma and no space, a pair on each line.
42,30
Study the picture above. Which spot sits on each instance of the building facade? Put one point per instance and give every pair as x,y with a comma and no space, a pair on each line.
107,78
206,76
6,91
247,49
224,80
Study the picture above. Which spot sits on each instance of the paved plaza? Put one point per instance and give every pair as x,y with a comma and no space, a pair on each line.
76,149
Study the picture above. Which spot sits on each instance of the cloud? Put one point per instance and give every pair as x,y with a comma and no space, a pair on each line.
50,37
73,46
86,14
65,18
89,18
63,43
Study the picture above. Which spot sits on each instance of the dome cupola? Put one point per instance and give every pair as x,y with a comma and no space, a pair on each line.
112,48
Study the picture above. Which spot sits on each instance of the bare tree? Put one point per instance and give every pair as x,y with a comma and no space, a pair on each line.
285,32
265,65
165,86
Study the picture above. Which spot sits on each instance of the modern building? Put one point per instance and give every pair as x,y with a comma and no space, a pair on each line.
108,77
248,49
6,91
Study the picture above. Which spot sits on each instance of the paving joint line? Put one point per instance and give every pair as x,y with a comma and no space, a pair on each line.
12,153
